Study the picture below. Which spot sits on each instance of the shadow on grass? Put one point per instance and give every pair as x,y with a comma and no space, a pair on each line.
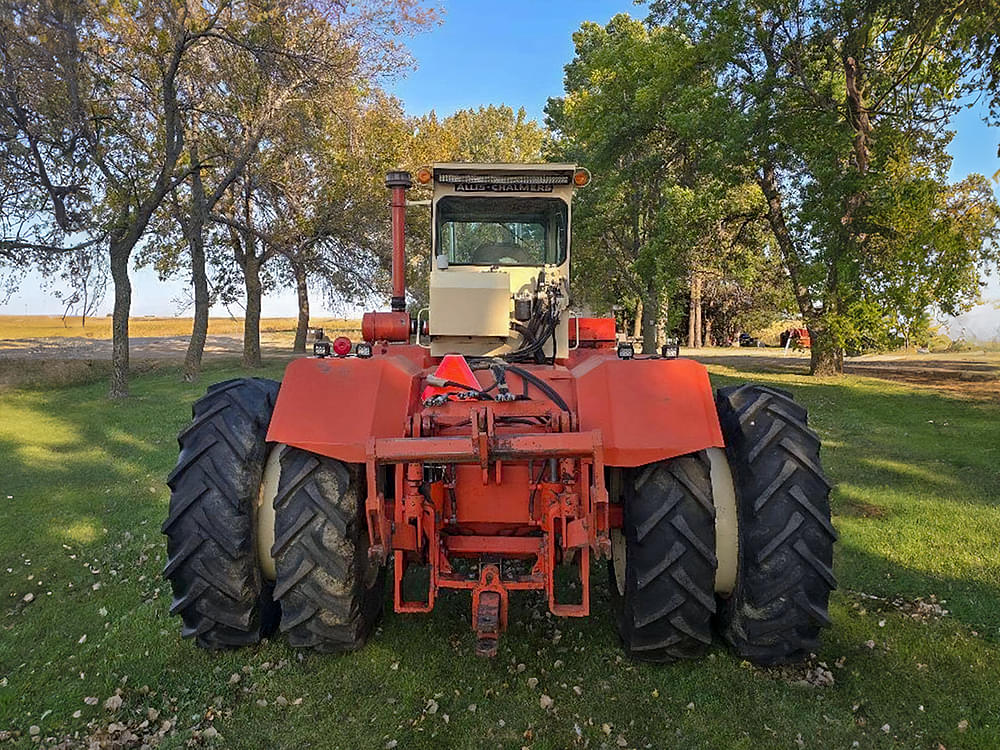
916,494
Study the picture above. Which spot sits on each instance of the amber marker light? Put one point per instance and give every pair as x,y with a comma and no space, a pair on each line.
581,177
424,175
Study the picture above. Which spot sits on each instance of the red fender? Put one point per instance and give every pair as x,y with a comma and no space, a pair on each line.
334,406
647,409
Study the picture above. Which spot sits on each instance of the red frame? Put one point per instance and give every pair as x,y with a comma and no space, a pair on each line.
518,486
562,511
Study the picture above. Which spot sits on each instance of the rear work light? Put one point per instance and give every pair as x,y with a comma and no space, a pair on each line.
321,349
363,350
671,349
341,346
626,351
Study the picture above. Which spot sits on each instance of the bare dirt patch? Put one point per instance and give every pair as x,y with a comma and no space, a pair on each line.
860,509
38,350
809,674
56,363
142,347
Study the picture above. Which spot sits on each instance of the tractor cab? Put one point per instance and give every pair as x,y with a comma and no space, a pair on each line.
501,243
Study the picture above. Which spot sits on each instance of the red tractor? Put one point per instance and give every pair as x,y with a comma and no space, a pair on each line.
490,444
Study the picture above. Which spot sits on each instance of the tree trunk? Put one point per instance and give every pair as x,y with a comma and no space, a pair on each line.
195,231
825,358
698,332
661,323
694,313
120,253
637,323
650,313
768,182
302,327
690,341
199,331
251,324
708,332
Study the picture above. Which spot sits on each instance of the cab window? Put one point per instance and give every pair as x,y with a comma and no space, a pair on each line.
501,231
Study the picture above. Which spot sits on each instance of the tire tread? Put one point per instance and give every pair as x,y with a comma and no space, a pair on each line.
320,552
211,557
786,538
666,611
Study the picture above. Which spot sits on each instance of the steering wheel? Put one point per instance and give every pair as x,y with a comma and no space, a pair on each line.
502,252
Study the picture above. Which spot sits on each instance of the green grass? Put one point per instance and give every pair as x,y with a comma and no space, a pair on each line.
916,505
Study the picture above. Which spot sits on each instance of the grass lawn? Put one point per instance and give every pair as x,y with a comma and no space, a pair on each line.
917,506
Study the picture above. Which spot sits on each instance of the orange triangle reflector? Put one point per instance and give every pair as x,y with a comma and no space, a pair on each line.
453,367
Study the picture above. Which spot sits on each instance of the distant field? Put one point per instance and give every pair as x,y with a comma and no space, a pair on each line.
52,326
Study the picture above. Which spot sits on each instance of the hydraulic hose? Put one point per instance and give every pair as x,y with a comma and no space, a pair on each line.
525,375
537,344
541,385
443,383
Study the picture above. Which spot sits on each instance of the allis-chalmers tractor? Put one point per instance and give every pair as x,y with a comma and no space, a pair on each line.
487,446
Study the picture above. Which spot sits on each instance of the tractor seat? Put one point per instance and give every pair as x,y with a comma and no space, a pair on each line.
504,253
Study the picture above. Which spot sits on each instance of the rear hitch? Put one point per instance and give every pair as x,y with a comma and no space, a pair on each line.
489,611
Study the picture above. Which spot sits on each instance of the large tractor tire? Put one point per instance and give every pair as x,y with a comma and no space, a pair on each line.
330,592
663,563
786,538
212,563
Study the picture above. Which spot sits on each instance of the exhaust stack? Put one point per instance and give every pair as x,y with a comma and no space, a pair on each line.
395,325
398,183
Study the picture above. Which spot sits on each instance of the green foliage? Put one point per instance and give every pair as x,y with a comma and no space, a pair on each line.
634,223
494,133
839,111
657,217
973,27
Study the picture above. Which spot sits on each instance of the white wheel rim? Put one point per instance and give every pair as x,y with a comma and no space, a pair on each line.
265,512
618,554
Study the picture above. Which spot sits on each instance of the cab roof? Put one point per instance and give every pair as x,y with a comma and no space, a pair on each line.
501,168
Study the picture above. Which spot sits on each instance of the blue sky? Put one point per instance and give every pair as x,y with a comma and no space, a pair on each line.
490,52
510,52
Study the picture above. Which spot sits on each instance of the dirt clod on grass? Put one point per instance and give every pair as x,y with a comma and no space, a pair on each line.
118,735
921,609
811,674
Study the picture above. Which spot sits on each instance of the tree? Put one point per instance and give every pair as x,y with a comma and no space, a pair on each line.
743,285
338,235
838,112
650,219
287,205
490,134
316,199
293,74
929,264
98,100
98,142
